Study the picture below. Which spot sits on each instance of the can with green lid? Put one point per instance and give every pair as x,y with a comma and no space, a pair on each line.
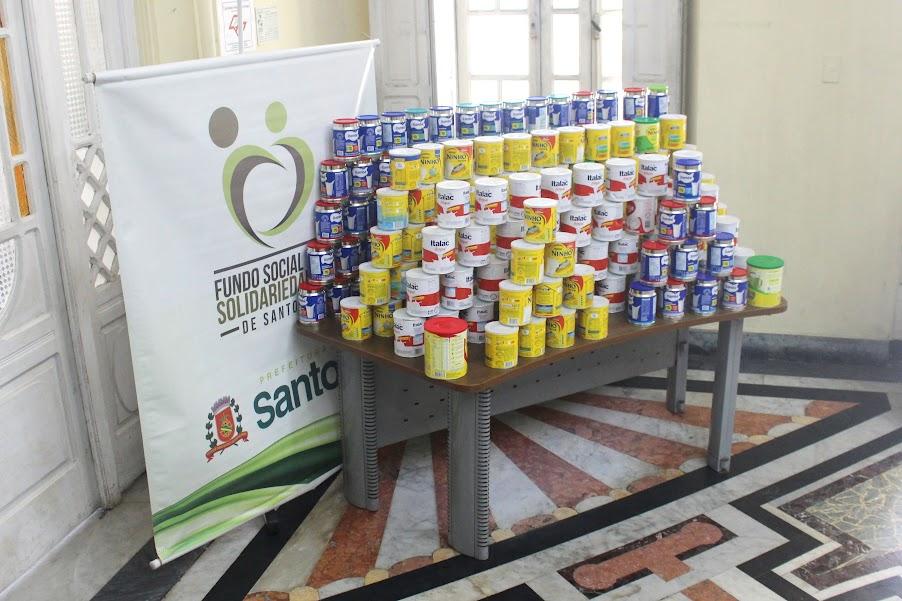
765,280
648,132
658,100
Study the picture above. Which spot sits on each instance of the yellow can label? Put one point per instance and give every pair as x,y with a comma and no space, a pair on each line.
445,358
532,339
541,224
514,307
501,350
383,319
673,133
421,204
516,154
559,259
592,323
765,287
647,137
560,331
489,157
527,267
598,145
375,287
393,206
405,173
431,168
545,151
547,298
412,244
458,162
572,147
623,140
578,291
385,250
356,324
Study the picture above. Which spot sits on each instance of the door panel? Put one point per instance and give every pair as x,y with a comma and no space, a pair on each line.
404,56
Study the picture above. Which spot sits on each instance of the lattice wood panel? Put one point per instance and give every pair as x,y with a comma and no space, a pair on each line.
91,187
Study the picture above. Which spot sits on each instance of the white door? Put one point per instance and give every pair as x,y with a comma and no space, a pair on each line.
404,57
653,45
48,485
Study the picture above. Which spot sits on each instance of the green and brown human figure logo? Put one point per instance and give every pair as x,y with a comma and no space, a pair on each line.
223,128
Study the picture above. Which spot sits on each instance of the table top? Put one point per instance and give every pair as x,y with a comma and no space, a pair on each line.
481,377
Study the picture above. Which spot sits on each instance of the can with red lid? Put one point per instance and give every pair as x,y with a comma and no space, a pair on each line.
334,181
654,263
320,262
736,290
345,138
673,221
445,347
311,303
672,299
328,222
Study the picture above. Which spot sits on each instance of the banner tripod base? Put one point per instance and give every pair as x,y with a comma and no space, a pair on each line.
271,522
155,564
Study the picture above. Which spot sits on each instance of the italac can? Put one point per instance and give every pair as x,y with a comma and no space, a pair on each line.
613,288
624,255
588,184
592,322
765,280
422,293
541,217
673,131
438,250
522,186
595,255
421,204
641,303
640,214
392,208
345,139
513,116
672,299
311,303
607,221
545,148
582,107
320,262
458,158
490,119
548,297
606,106
685,261
514,303
728,224
467,118
620,179
704,295
443,312
654,263
633,103
408,332
741,255
558,111
489,155
356,319
383,172
720,254
648,134
385,247
405,168
348,257
394,130
383,319
505,234
687,179
527,262
441,123
623,138
556,184
560,255
457,288
327,216
412,243
652,174
431,169
474,245
703,218
476,331
480,311
375,284
417,125
363,176
598,142
516,151
658,100
501,345
536,113
488,278
445,348
572,140
333,179
369,132
531,338
491,200
736,290
452,200
396,280
673,221
560,330
578,288
578,221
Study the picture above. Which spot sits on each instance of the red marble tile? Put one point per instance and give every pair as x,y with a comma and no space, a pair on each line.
707,591
411,563
826,408
561,481
739,447
536,521
646,482
267,596
747,422
654,450
354,546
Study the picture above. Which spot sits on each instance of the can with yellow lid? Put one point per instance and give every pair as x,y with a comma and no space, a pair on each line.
532,338
527,262
592,322
560,330
356,319
501,345
445,348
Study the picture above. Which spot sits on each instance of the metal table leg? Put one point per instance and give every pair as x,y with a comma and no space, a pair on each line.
358,425
723,408
468,472
676,374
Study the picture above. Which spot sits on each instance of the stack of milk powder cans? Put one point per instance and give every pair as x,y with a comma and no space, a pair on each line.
519,225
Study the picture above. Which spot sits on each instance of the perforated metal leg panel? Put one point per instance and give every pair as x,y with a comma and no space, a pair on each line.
469,444
368,378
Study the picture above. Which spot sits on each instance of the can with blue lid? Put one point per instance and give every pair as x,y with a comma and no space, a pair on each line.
606,106
513,116
490,119
467,118
684,265
416,121
687,180
394,130
441,123
704,294
641,301
558,111
720,254
369,130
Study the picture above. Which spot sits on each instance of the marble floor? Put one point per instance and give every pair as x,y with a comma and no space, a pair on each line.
601,495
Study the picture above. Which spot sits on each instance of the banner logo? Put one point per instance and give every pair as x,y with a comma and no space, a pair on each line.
223,130
223,426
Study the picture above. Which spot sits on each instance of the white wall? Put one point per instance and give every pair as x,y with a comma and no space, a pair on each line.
811,166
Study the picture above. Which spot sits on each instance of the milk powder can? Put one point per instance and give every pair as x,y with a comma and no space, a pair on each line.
720,254
531,338
736,290
613,288
548,297
467,117
684,266
490,122
383,318
417,125
345,139
514,303
422,293
394,130
522,186
579,287
536,113
578,221
349,256
513,116
505,234
320,262
473,245
327,217
439,252
640,214
516,151
333,179
560,255
375,284
765,280
672,299
606,106
356,319
588,184
409,333
673,221
592,322
491,200
654,264
558,111
607,221
595,255
501,345
312,303
441,123
369,131
560,330
445,348
488,278
582,107
623,255
633,103
687,180
704,294
658,100
703,218
457,288
641,304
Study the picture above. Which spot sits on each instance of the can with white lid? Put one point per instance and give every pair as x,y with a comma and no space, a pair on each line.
476,332
505,234
531,338
623,255
596,256
514,303
607,221
438,249
598,142
572,139
592,322
458,159
452,200
375,284
356,319
383,318
457,288
557,183
541,219
652,174
405,168
501,345
474,245
480,310
728,224
613,288
673,131
522,186
560,330
422,293
741,256
392,208
560,255
488,278
527,262
620,179
578,221
408,333
548,297
588,184
491,200
640,214
579,287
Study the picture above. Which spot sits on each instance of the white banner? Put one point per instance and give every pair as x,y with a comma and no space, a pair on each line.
213,176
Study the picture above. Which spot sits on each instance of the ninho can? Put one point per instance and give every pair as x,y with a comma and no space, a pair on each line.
405,168
673,221
633,103
369,130
489,151
595,255
672,299
527,262
613,288
441,123
417,125
363,176
327,217
457,288
452,202
445,347
572,139
345,138
421,204
560,330
501,345
620,179
408,333
311,303
598,142
467,118
384,320
558,111
391,208
348,257
541,217
458,158
320,262
385,248
579,287
685,261
652,174
531,338
658,100
641,303
333,179
490,119
607,221
356,319
548,297
592,322
720,254
648,134
654,263
623,138
582,107
514,303
516,151
375,284
765,280
474,245
560,255
735,290
704,295
545,148
488,278
537,112
431,168
412,243
673,131
606,106
513,116
703,218
394,130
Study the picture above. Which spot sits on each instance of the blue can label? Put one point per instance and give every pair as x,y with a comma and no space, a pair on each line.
490,122
312,307
384,174
687,185
363,178
704,299
641,310
357,218
633,106
735,293
582,112
370,138
417,131
672,226
441,128
559,115
328,225
372,212
336,293
673,302
720,259
320,266
513,120
394,135
702,223
685,263
333,184
654,268
349,258
536,117
658,104
345,143
606,109
467,124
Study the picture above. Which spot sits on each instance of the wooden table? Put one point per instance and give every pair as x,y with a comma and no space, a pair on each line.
386,398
